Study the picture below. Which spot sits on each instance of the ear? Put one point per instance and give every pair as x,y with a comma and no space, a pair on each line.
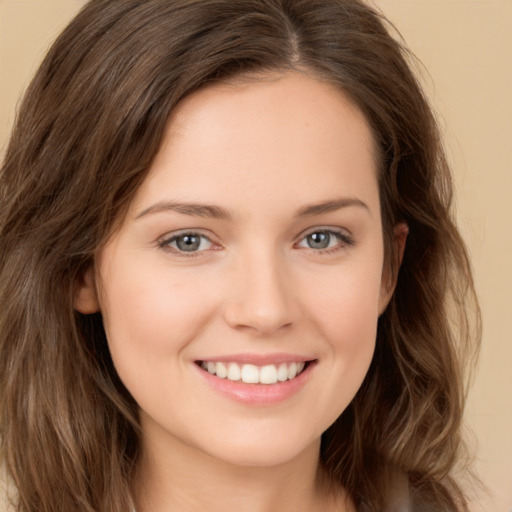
390,273
86,294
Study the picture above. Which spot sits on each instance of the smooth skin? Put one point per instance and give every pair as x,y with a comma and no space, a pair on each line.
256,231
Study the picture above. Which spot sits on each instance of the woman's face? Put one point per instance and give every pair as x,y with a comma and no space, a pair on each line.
252,251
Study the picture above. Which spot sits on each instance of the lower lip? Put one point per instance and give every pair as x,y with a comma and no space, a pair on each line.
258,394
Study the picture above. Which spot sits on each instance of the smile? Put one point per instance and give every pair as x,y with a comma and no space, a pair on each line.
252,374
257,380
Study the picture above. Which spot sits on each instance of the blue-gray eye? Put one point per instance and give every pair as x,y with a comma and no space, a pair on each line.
187,242
320,240
324,239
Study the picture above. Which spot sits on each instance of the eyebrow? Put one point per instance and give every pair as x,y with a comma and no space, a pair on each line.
217,212
193,209
331,206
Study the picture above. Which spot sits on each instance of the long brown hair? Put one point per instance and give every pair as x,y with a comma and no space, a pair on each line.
86,133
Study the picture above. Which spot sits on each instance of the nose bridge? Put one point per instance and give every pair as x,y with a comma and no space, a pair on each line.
261,297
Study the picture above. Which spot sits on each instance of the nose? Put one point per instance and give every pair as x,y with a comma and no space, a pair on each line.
261,299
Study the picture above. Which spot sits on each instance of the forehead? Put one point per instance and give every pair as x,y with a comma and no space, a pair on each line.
286,134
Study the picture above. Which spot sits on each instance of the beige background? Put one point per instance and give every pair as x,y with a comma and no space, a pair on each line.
466,45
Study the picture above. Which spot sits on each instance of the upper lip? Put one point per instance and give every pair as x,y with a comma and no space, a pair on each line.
258,359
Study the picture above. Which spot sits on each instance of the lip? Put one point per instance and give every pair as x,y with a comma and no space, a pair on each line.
258,394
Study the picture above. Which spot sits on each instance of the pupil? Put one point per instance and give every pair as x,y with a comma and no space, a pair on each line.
319,240
188,243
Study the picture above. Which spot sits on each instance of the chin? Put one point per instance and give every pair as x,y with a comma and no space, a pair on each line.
263,450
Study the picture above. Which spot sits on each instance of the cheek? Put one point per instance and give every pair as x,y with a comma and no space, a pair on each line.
345,312
345,304
151,317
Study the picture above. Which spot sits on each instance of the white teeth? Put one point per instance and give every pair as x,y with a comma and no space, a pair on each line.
282,372
234,372
252,374
268,374
222,370
292,371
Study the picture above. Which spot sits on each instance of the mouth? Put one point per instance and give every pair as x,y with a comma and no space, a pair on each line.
252,374
257,380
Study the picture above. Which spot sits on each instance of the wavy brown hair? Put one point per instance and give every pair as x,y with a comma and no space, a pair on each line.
86,133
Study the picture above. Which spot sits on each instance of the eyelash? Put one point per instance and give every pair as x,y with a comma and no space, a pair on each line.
343,239
165,244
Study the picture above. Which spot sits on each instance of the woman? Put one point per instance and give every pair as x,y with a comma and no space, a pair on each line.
229,269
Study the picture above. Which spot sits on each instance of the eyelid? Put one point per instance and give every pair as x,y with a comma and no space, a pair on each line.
326,229
164,242
343,235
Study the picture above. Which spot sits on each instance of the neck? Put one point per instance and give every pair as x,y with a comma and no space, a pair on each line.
180,478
